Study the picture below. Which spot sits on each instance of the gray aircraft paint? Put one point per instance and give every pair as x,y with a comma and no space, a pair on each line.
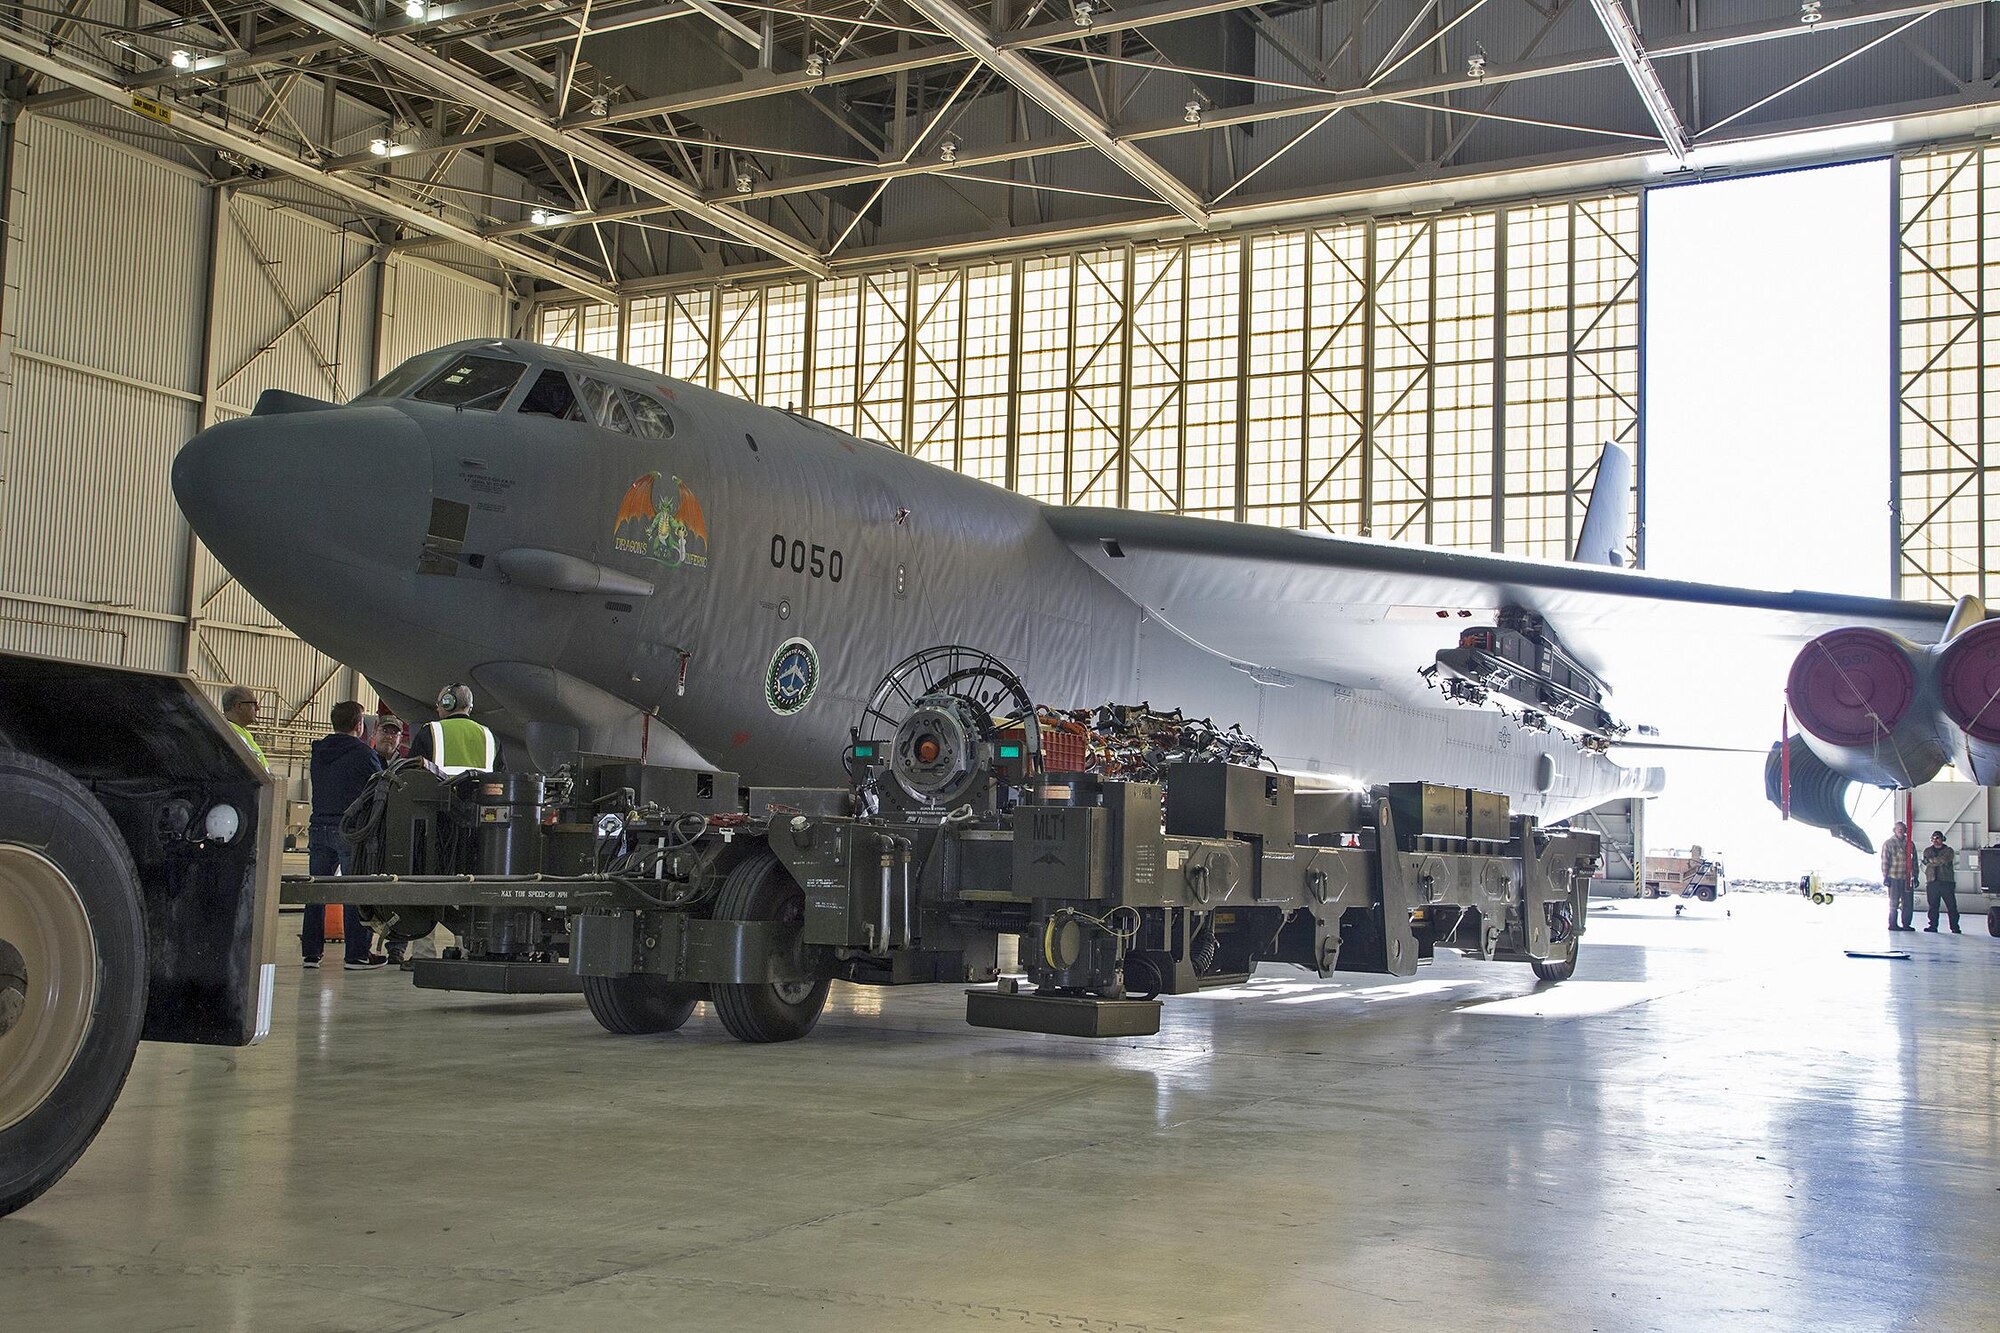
322,514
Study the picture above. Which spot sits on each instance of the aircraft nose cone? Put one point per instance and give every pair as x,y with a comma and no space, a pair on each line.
309,510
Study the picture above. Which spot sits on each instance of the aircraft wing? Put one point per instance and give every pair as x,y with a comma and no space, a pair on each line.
1705,664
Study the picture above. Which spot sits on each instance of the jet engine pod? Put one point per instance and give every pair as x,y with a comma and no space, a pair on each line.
1797,782
1866,702
1969,692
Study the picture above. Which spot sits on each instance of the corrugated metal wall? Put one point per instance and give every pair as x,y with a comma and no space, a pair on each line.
108,291
425,306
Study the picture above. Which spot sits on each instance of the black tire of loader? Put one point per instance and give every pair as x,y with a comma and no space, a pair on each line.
635,1005
1559,969
761,889
44,809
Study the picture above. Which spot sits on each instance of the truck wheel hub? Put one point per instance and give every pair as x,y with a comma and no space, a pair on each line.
48,979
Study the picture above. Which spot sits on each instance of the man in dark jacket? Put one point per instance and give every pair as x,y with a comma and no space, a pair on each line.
1941,880
342,763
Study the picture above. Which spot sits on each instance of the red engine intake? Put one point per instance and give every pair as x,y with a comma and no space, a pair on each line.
1866,704
1969,692
1851,687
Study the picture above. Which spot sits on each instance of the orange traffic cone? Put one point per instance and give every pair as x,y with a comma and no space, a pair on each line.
335,922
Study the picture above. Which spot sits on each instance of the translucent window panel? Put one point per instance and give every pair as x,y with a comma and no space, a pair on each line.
690,336
836,328
739,347
883,366
1044,376
1949,391
599,335
785,346
1337,386
1214,344
1159,315
1571,376
1274,431
561,326
646,333
936,366
1097,377
988,355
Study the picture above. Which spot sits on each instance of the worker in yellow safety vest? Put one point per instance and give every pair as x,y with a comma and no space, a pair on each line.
239,708
455,743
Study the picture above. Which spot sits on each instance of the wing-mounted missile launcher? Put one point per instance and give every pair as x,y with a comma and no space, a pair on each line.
1519,658
650,888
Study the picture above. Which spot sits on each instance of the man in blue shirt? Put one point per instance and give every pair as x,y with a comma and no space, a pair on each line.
342,763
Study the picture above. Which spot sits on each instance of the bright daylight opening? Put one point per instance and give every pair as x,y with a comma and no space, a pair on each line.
1768,438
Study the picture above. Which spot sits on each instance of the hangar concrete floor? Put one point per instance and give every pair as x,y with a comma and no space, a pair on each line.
1722,1122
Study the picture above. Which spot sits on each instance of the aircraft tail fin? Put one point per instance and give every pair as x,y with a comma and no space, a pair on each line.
1602,538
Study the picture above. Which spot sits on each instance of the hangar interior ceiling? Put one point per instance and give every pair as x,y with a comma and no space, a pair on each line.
1353,266
614,143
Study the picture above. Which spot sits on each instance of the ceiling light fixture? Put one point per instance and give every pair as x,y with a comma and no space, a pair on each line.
948,150
541,217
1809,12
1191,113
181,58
742,182
1475,67
1082,12
381,145
417,9
816,65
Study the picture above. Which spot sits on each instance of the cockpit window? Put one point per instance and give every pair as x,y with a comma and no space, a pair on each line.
607,408
551,396
649,416
404,377
478,382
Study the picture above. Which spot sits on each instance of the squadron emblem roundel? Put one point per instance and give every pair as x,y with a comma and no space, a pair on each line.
794,675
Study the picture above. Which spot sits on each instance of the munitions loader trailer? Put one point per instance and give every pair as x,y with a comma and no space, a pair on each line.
652,889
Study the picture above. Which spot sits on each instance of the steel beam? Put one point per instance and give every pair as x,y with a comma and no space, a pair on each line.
415,61
1624,35
1037,83
256,150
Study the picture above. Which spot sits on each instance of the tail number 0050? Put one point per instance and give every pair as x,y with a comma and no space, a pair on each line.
796,555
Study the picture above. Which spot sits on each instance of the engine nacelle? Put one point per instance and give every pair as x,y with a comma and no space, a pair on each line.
1968,674
1866,702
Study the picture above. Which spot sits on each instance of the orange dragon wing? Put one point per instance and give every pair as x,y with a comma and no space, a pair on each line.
689,512
638,502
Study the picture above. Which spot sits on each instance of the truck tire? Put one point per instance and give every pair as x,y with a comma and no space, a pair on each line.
1993,921
635,1005
72,973
761,889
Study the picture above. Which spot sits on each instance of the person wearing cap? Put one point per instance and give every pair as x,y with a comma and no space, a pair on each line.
456,743
1896,878
239,708
388,739
1941,881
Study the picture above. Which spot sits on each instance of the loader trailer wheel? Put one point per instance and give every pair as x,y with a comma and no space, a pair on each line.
72,973
1993,921
1561,968
761,889
634,1005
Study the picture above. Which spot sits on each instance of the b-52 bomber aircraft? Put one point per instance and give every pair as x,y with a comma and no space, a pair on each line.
628,565
783,706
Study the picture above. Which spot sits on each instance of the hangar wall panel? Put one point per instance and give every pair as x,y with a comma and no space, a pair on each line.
300,296
425,306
